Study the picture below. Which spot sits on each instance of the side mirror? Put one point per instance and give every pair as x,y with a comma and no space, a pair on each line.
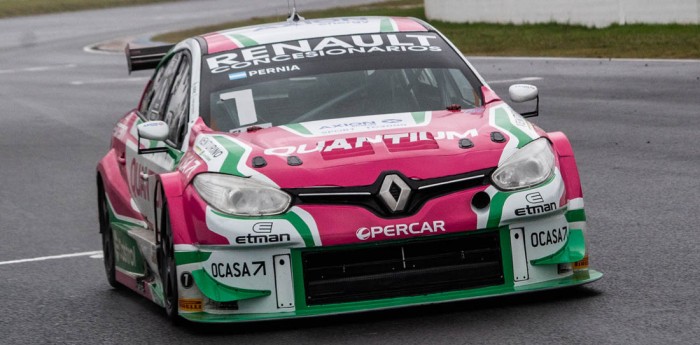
152,130
524,92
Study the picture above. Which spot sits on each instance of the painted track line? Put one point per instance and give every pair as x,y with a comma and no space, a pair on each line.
37,69
54,257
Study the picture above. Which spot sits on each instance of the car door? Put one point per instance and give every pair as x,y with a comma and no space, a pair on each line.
167,99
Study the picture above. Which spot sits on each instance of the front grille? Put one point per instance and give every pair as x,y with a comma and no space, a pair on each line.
368,196
337,275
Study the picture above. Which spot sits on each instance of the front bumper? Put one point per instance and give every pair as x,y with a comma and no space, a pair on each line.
276,284
346,308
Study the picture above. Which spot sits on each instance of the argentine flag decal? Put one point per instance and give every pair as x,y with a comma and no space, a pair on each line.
237,75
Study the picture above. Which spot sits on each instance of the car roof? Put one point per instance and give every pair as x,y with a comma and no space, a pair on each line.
304,29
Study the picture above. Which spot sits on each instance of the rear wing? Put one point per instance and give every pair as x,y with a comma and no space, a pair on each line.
138,59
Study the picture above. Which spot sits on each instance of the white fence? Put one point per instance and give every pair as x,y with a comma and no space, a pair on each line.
598,13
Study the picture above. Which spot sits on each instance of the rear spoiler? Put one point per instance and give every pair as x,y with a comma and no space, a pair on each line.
138,59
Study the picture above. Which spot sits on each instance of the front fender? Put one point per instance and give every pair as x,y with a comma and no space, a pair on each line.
172,187
567,164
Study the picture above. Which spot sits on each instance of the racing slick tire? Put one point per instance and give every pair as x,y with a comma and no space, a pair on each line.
168,270
107,236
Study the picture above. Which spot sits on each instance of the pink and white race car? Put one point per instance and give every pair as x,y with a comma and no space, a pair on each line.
327,166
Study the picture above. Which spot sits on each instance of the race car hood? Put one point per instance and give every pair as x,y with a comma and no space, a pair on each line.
354,151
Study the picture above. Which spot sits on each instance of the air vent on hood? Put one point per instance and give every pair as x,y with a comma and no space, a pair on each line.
497,137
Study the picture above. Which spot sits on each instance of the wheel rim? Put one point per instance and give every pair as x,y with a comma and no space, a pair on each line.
104,214
107,248
107,240
169,278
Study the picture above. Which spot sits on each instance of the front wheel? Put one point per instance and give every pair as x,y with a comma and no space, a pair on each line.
107,238
168,270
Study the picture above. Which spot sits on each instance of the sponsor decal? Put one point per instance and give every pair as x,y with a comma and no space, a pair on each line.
119,131
340,126
124,252
190,304
274,70
535,198
327,46
360,142
529,210
395,230
153,124
139,187
262,239
189,164
582,264
186,280
238,269
208,148
356,124
545,238
237,76
263,227
263,235
263,71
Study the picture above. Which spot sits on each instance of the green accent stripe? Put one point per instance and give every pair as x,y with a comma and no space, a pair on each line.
503,120
244,40
184,258
298,128
419,117
506,255
219,292
576,216
298,278
574,250
302,228
122,224
176,155
385,25
496,209
296,221
233,157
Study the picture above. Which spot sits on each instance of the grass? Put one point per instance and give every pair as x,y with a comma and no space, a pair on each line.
401,8
13,8
616,41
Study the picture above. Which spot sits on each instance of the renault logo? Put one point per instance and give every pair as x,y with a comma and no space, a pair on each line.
395,193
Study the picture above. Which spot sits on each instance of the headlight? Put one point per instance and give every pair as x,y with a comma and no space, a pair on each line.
240,196
529,166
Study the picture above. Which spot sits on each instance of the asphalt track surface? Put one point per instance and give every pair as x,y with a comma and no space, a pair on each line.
633,124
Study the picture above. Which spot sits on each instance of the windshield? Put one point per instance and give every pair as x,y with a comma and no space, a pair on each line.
333,77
